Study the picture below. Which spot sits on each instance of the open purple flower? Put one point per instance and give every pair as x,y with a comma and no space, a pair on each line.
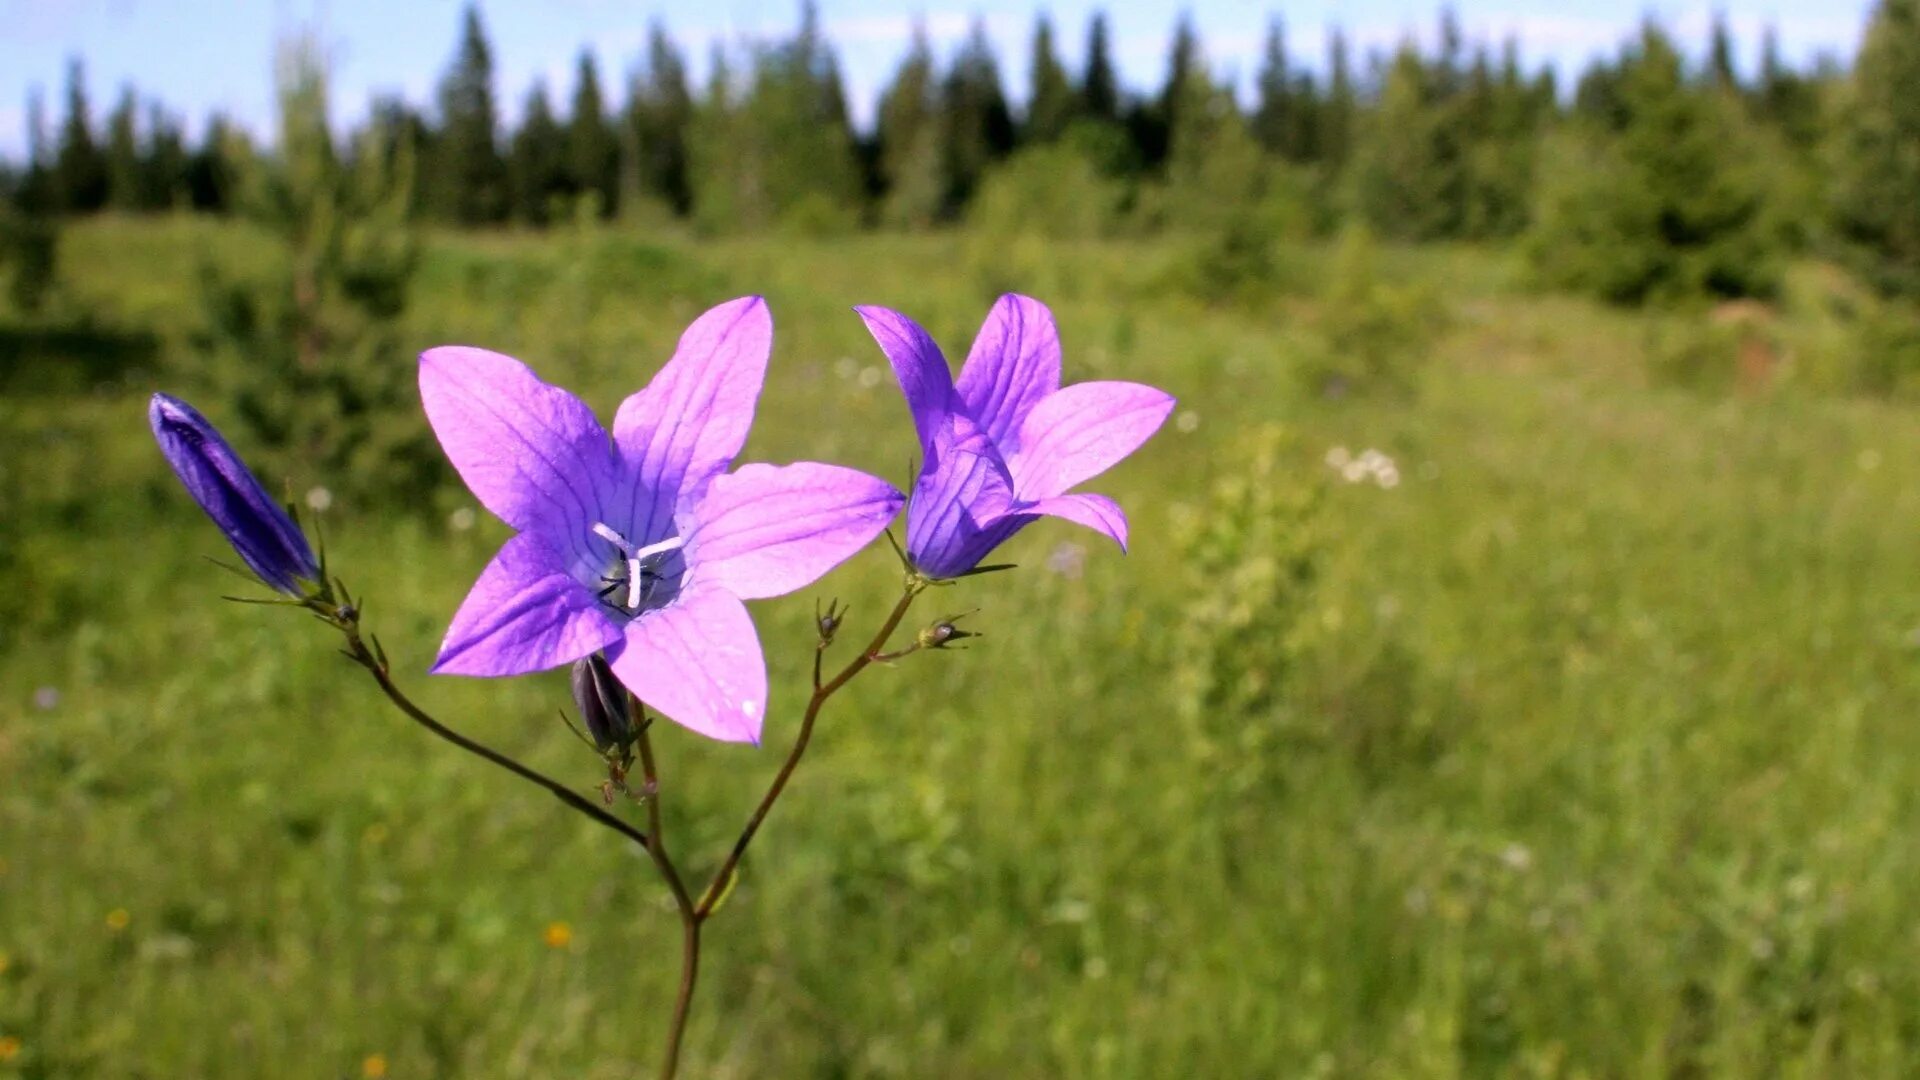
260,530
642,545
1005,444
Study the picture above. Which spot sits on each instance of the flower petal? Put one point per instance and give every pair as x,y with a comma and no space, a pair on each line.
920,367
1083,431
1096,512
525,613
533,454
960,502
698,662
767,530
1014,363
691,421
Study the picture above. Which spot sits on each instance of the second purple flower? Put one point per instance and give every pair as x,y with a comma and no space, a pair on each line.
1005,443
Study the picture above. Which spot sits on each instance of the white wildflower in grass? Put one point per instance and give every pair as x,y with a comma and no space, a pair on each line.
846,367
319,499
462,519
869,378
1188,422
1338,458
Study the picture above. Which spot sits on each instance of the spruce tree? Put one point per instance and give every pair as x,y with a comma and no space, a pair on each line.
1274,122
80,170
1665,202
1185,72
909,133
1099,85
469,176
655,129
310,352
1050,98
1335,129
1876,179
537,160
165,166
124,180
592,154
1720,66
978,122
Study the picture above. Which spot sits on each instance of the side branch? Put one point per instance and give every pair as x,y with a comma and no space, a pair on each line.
723,878
376,666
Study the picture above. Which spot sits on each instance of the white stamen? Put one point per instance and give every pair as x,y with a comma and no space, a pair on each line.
611,537
671,543
633,583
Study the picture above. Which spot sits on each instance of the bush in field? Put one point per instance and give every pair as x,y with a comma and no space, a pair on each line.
1876,169
1374,335
1252,553
29,245
1663,198
1057,191
310,353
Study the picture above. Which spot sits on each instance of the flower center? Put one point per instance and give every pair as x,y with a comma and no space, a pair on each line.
643,578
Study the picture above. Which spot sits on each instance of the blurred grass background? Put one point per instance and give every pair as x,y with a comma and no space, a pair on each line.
1588,751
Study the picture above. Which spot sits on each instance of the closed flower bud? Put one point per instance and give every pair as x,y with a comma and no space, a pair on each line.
603,703
259,529
942,634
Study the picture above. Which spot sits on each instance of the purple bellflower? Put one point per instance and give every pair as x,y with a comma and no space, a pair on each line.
1004,444
260,530
641,545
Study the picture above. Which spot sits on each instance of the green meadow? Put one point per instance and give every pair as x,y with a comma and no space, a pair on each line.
1587,747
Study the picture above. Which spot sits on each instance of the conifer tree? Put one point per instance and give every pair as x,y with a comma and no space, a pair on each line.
36,195
1050,98
659,115
1186,79
978,122
1876,170
124,187
909,132
1720,66
164,171
80,170
469,176
537,161
311,354
1274,122
1664,202
592,154
1099,85
1335,127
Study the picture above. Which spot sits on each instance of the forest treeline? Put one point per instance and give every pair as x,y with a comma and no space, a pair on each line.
1652,175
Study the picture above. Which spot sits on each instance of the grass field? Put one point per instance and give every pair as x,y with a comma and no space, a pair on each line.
1597,755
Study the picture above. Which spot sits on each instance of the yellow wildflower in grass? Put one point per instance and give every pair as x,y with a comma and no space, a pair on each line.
558,935
9,1047
117,919
373,1066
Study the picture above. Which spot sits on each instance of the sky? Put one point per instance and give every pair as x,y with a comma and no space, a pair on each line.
202,56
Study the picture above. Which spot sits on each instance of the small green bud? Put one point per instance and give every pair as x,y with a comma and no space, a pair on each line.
943,633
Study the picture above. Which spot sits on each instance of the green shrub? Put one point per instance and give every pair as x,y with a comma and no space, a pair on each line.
29,245
1373,336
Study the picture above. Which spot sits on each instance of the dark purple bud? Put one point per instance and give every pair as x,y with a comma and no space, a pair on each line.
258,528
602,702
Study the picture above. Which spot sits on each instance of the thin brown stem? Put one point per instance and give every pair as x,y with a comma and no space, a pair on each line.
723,878
376,666
682,901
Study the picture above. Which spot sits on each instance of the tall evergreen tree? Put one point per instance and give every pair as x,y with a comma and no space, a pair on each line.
978,121
1099,85
80,170
210,180
593,153
909,129
537,160
1050,99
165,166
1876,170
36,195
469,175
124,180
1335,129
660,113
1720,66
1184,66
1274,122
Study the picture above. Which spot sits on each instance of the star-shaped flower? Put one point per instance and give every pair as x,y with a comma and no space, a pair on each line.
1005,444
641,545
